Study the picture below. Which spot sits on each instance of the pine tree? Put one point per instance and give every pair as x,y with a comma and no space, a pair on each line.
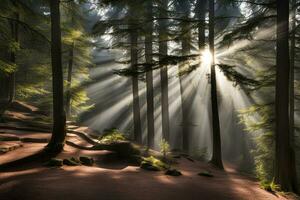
133,34
283,164
292,95
217,153
200,11
187,92
59,117
163,52
77,58
149,73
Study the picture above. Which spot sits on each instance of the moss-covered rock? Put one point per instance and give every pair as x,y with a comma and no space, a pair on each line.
86,160
206,174
124,149
153,164
135,160
149,166
112,136
75,160
173,172
71,162
54,162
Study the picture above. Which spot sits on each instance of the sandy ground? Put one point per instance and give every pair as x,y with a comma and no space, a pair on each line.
115,180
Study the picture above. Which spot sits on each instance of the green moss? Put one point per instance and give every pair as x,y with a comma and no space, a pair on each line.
153,164
269,186
112,136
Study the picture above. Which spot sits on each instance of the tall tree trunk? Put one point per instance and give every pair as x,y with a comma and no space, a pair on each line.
12,76
69,81
283,162
292,95
201,7
149,75
163,52
217,152
135,86
59,117
184,86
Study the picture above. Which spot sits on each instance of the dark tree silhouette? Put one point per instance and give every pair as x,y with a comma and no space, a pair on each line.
163,52
149,73
217,152
133,34
283,157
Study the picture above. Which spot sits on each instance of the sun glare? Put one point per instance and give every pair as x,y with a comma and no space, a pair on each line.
206,57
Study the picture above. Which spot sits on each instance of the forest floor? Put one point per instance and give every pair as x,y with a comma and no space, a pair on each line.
112,179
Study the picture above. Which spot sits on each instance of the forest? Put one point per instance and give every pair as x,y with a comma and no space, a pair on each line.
149,99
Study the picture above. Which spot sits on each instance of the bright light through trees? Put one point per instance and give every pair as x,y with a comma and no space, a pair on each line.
206,57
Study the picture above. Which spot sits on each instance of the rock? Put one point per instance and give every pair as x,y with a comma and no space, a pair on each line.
4,150
110,156
149,166
86,160
135,159
173,172
75,160
124,149
9,147
54,162
70,162
206,174
153,164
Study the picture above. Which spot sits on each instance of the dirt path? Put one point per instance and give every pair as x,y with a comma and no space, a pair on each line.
116,180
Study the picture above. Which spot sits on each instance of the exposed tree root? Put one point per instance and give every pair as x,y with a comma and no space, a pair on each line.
72,144
84,136
39,157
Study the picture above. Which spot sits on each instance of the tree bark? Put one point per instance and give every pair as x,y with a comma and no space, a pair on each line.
292,97
163,52
149,75
186,100
217,152
69,81
201,8
283,162
12,76
59,117
135,86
